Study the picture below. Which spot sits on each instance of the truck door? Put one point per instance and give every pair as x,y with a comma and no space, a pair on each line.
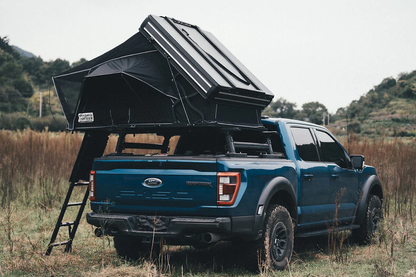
344,179
314,180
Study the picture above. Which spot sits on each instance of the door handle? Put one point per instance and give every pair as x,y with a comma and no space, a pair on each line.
335,176
308,176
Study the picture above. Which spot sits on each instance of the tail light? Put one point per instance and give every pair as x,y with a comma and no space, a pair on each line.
92,185
228,185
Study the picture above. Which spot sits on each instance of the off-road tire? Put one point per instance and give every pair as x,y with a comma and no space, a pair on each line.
130,247
127,247
275,248
371,222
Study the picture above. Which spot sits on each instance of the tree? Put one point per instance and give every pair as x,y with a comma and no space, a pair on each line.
386,84
31,65
12,77
24,87
81,61
11,100
313,111
4,44
43,76
281,108
339,115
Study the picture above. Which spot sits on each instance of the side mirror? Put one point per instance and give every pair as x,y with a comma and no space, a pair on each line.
357,161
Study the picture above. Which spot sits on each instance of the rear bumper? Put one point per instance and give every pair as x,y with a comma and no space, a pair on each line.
144,225
175,227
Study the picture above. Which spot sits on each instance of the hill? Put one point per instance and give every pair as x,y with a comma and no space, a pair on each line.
24,53
389,109
24,78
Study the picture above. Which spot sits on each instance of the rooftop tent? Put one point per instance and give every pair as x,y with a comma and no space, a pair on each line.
170,73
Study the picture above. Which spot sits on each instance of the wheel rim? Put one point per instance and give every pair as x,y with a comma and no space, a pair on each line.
279,241
375,219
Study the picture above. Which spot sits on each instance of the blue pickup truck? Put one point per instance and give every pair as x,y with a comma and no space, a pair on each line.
221,172
265,186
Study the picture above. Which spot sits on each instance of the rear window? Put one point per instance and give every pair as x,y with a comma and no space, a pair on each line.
213,142
305,144
201,143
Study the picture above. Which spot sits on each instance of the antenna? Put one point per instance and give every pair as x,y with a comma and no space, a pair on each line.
40,103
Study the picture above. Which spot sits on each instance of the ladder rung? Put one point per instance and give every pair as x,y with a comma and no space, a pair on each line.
67,223
60,243
74,204
75,223
81,184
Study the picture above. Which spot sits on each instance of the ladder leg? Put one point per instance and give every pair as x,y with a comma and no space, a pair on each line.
59,222
68,247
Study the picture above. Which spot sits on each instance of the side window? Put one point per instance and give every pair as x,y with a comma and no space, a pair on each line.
305,144
331,151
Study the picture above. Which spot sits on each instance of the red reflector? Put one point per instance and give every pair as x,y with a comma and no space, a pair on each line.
91,186
228,188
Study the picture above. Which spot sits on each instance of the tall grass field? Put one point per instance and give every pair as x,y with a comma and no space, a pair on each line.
34,173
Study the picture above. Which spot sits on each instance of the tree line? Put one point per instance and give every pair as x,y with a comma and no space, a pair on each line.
313,112
377,98
20,78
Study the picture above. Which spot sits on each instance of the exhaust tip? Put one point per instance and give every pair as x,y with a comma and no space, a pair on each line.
207,237
210,238
98,232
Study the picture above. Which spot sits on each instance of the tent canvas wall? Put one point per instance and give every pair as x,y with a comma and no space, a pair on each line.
170,73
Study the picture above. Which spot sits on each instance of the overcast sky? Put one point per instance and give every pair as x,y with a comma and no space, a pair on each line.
328,51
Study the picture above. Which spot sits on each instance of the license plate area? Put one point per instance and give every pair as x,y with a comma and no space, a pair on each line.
152,223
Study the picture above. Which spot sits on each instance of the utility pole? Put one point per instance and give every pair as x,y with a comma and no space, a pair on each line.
348,135
323,118
40,104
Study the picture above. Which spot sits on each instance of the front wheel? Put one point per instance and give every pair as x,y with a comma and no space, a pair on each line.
276,245
371,222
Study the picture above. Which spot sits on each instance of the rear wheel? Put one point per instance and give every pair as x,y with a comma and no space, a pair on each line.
276,245
371,222
130,247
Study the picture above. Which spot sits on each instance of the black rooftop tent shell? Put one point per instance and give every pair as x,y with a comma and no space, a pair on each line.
170,73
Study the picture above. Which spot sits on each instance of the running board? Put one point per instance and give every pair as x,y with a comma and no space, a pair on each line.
326,231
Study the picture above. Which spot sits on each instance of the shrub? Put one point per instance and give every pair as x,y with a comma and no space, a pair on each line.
22,123
54,123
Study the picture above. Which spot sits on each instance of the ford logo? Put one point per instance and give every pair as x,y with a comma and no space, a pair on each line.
152,182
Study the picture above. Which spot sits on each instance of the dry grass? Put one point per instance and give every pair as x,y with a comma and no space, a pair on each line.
31,160
395,164
35,167
36,160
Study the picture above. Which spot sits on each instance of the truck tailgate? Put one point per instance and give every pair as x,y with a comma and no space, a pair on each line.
161,185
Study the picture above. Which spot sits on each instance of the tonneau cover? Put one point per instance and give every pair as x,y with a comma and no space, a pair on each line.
170,73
